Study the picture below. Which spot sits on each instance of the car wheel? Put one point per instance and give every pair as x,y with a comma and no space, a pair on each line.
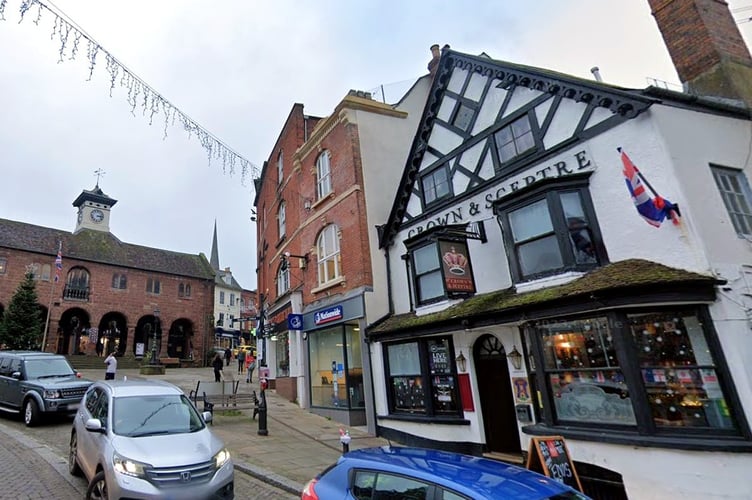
73,468
31,412
97,487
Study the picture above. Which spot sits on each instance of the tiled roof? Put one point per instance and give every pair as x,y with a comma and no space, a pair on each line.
101,247
623,275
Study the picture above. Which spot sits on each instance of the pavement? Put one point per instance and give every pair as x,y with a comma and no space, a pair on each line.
298,446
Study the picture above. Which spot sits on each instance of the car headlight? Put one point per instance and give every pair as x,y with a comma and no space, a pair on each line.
221,457
128,467
51,394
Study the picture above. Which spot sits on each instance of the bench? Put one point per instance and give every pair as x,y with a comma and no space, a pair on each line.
223,396
170,362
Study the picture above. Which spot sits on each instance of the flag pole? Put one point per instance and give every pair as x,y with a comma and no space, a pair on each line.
49,304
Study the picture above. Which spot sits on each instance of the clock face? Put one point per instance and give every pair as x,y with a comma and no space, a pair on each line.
97,215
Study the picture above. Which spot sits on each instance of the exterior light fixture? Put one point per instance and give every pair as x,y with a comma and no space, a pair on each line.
515,357
461,362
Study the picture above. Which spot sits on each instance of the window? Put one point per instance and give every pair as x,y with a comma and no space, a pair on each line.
232,299
282,350
221,320
323,175
421,378
221,297
281,220
283,280
652,369
441,268
184,290
551,231
119,281
336,370
40,272
327,248
3,265
153,286
463,117
370,484
514,139
435,185
280,169
736,196
77,284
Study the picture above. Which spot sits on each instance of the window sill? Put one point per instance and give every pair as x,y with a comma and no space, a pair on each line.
626,438
425,419
322,200
329,284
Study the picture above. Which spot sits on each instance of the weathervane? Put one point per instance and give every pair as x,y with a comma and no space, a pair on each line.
100,173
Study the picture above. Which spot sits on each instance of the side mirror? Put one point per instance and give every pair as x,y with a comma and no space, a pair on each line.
207,416
16,375
94,425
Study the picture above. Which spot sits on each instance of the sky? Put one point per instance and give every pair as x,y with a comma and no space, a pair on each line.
235,68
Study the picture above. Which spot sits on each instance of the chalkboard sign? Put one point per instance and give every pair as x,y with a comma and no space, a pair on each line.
549,456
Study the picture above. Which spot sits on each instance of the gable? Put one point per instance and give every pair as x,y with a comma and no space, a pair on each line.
474,103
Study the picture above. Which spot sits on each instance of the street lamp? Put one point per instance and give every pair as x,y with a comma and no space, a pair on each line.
154,360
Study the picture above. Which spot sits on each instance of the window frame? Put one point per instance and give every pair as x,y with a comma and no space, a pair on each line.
153,286
3,265
119,281
184,290
221,296
745,194
430,176
280,168
534,131
283,280
323,175
627,354
427,376
324,256
551,192
282,220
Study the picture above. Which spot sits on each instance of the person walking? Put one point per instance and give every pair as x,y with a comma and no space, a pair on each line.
217,365
241,361
111,362
228,356
250,365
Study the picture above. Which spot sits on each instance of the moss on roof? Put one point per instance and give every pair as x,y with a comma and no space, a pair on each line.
625,274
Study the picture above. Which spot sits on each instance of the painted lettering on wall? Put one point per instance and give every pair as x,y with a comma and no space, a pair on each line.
457,215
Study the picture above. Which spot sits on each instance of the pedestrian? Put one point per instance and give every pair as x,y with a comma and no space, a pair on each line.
228,356
111,362
250,365
241,360
217,365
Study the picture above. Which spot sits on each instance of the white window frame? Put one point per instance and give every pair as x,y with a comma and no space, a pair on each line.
283,280
327,250
323,175
280,168
282,220
737,197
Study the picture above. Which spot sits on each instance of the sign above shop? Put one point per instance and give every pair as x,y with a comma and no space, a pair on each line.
294,321
327,315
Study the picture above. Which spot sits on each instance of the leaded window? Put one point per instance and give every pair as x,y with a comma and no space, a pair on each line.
515,139
435,185
737,197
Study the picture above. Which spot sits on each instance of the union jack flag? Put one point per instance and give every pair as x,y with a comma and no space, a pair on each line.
653,210
58,262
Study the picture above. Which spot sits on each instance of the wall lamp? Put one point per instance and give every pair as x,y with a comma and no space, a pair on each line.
286,260
515,357
461,362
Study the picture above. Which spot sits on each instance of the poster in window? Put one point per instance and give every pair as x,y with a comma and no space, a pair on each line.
438,359
458,275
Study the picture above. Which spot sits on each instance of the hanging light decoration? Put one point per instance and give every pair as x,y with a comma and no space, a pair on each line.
140,95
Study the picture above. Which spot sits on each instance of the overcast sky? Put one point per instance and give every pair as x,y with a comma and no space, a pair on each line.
236,67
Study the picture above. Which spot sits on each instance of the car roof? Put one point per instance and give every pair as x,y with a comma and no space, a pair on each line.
464,473
32,354
139,387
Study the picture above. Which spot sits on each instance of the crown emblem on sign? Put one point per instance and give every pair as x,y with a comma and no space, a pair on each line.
456,262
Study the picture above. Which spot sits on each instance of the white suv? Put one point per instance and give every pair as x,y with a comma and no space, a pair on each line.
145,439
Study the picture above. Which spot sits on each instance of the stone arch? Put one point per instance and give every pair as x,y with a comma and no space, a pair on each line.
180,339
113,334
73,332
143,337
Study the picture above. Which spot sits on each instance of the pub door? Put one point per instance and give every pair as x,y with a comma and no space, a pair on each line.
496,398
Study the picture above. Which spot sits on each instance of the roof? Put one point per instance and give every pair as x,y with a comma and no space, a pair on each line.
100,247
613,280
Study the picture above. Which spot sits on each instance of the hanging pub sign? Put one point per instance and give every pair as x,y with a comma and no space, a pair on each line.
458,275
549,456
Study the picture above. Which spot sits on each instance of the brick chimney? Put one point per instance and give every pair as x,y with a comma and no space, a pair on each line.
435,56
706,47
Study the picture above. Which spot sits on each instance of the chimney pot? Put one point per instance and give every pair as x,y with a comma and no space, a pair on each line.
433,64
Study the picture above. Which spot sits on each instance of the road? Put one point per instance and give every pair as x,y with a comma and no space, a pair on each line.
50,442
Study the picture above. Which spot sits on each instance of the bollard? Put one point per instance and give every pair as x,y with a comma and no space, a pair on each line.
344,438
262,430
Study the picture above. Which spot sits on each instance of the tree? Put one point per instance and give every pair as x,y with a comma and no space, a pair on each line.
21,327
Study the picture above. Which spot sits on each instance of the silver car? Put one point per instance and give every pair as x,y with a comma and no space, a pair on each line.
145,439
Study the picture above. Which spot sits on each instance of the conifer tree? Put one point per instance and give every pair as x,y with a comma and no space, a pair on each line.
22,322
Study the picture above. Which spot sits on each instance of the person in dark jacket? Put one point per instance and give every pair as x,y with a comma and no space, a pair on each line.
217,365
228,356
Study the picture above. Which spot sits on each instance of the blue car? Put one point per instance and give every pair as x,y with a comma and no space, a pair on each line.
404,473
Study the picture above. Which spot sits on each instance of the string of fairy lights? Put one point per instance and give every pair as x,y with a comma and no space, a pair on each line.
140,95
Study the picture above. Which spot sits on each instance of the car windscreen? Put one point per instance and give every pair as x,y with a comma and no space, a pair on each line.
48,368
136,416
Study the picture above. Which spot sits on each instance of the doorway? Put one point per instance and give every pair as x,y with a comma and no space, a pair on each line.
496,398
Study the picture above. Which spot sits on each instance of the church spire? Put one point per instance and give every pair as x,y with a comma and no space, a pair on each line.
215,249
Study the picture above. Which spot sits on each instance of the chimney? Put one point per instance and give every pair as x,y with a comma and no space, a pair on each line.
706,47
433,64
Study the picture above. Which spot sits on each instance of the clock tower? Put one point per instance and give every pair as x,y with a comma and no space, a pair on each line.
93,210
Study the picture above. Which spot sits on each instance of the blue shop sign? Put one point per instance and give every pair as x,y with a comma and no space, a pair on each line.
294,321
328,315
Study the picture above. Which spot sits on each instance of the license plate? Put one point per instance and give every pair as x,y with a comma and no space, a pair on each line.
74,406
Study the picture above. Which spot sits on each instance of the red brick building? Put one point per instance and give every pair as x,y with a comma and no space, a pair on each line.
111,295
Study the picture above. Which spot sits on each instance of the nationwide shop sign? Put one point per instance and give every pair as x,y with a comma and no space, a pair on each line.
328,315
